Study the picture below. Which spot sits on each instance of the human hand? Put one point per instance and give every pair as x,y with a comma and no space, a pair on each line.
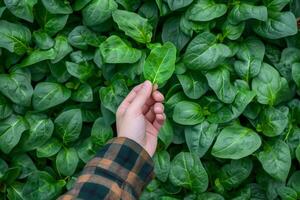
141,115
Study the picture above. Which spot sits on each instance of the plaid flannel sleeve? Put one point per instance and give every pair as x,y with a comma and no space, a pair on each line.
120,170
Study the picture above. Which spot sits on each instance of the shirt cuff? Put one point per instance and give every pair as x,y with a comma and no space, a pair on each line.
128,162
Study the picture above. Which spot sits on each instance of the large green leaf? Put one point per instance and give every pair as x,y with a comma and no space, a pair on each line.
187,171
98,11
17,87
14,37
278,25
236,142
160,64
11,130
219,80
112,96
22,9
206,10
101,132
115,50
66,161
267,85
204,53
47,95
40,131
194,85
200,137
188,113
162,165
243,11
251,53
135,26
57,6
276,159
68,125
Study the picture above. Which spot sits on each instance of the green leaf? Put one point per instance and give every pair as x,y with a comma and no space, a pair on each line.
62,48
81,71
206,10
57,6
68,125
234,173
38,56
219,80
134,26
115,50
287,193
172,33
296,73
43,40
47,95
98,11
11,130
251,53
40,131
101,132
294,181
194,84
200,137
276,5
14,37
204,53
50,148
277,26
5,108
232,111
243,11
231,31
236,142
210,196
17,87
298,153
83,94
22,9
86,150
267,85
166,133
188,113
81,37
66,161
42,186
272,122
160,64
187,171
112,96
276,159
162,165
178,4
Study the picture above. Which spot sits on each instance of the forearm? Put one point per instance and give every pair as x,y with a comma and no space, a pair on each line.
120,170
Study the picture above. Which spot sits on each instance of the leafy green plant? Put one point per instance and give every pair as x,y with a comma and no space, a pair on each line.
229,70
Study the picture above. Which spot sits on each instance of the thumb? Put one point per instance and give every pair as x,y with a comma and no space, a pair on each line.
142,96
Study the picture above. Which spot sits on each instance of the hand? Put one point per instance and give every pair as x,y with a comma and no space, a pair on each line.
141,115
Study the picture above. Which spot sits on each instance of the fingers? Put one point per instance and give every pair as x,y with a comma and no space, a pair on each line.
157,108
157,96
159,120
141,98
128,100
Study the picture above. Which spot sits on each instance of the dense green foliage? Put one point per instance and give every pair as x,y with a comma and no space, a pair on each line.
229,69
